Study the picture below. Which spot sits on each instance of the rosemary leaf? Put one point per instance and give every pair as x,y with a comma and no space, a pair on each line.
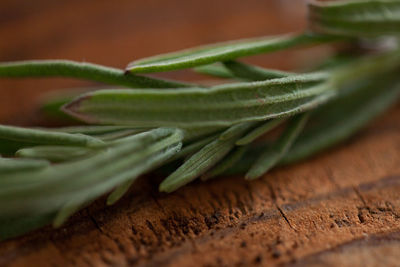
223,52
334,122
54,153
51,103
120,191
203,160
271,157
230,160
241,71
259,131
222,105
80,70
93,130
216,70
193,147
85,179
232,131
341,118
253,73
355,18
13,165
37,136
119,134
131,175
192,134
67,210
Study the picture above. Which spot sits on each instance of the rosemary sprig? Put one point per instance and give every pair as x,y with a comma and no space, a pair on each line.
52,173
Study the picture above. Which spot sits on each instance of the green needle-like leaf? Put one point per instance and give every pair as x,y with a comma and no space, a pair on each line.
132,174
340,119
259,131
230,160
67,210
356,18
80,70
129,176
93,130
222,105
203,160
333,123
193,147
271,157
232,131
54,153
12,165
43,137
51,104
216,70
241,71
87,179
120,191
223,52
253,73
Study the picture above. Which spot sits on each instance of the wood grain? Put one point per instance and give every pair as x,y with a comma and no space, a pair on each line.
341,208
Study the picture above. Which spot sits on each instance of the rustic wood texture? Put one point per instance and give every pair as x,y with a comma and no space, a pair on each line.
341,208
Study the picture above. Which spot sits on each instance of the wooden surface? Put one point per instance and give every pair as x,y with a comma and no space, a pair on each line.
341,208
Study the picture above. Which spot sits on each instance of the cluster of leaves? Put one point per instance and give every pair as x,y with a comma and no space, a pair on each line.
48,174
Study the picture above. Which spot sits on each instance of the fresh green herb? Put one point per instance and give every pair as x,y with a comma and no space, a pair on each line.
264,128
203,160
87,71
221,105
230,160
43,137
199,132
369,18
54,153
8,166
253,73
224,52
273,155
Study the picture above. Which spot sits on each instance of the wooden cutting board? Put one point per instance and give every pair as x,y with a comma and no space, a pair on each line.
340,208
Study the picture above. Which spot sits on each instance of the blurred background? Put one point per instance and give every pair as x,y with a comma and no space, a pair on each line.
114,33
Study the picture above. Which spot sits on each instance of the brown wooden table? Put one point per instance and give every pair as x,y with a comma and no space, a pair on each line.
341,208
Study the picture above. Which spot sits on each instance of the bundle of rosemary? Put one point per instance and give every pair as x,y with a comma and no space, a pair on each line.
48,174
